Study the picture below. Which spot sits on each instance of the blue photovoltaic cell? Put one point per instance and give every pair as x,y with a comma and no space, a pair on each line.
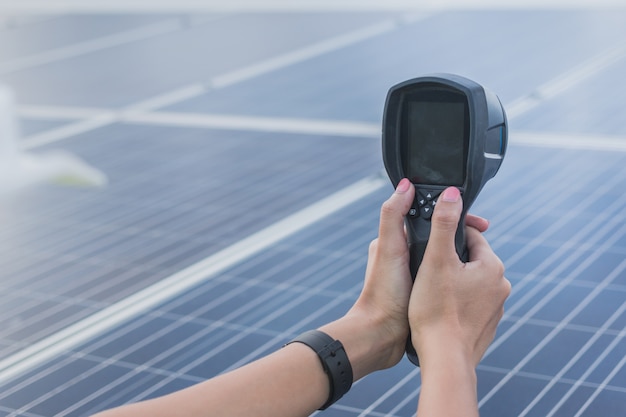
184,187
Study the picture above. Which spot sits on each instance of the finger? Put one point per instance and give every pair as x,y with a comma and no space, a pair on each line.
392,231
480,250
444,223
477,222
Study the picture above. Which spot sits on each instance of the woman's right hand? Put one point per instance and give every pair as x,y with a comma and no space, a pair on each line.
454,311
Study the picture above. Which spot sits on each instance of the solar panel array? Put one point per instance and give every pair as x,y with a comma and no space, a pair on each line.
244,171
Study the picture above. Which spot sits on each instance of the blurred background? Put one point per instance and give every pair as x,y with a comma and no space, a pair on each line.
188,185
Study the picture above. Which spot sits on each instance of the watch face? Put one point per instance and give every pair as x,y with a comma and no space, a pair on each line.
435,134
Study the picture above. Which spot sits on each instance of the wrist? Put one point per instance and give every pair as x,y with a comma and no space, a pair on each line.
367,342
334,360
439,342
447,371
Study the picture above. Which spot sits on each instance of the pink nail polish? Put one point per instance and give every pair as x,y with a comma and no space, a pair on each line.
403,186
451,195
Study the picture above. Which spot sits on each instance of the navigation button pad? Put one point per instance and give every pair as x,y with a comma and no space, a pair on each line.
426,201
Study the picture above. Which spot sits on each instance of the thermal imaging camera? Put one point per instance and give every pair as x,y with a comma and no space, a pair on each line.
439,131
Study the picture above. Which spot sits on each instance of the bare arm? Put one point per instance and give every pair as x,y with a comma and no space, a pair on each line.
288,382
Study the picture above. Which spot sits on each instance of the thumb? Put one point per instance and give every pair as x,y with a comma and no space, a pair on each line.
444,223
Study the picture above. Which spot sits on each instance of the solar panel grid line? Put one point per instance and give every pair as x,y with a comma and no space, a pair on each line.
244,283
601,387
257,124
111,398
513,221
506,222
565,321
288,306
9,410
585,70
105,119
583,328
16,314
162,27
33,316
137,210
21,246
47,314
60,388
181,300
562,284
124,331
59,365
293,125
305,54
543,164
238,223
280,337
571,141
133,370
590,369
149,252
224,80
154,293
261,350
412,398
579,382
150,225
572,383
355,410
102,280
23,265
66,131
103,364
582,244
37,298
102,269
60,211
410,377
302,254
259,189
97,249
568,79
30,225
576,357
166,99
550,203
58,113
296,256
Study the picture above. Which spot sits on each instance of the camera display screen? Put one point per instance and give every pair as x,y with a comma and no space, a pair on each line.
437,142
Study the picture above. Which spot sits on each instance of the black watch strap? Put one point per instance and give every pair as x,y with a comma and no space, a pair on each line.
334,361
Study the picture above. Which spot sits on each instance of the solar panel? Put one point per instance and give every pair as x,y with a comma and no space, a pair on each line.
245,179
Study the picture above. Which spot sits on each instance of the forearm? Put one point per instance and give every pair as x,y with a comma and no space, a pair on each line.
448,384
289,382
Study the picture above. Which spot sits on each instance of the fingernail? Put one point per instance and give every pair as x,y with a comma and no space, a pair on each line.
403,186
451,195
